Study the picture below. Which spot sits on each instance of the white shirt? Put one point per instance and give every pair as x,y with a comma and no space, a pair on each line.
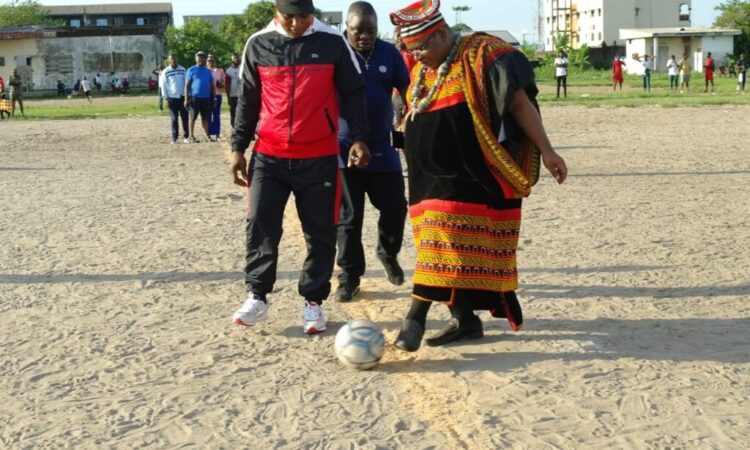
172,82
234,74
85,85
561,71
648,65
673,67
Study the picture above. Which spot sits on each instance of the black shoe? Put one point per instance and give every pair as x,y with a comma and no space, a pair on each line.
346,292
393,270
409,339
455,332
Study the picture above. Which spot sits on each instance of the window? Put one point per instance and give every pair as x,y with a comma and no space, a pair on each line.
600,36
637,10
28,61
599,12
140,21
101,22
2,61
75,23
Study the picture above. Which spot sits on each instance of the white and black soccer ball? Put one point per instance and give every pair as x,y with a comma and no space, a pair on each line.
359,344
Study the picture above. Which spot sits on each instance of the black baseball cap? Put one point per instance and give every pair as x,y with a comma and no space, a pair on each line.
289,7
200,53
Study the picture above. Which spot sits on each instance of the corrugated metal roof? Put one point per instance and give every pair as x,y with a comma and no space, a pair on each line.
504,35
120,8
639,33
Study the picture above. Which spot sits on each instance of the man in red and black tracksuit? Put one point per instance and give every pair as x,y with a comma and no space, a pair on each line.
290,75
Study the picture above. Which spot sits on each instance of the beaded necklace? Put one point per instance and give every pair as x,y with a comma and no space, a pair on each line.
419,105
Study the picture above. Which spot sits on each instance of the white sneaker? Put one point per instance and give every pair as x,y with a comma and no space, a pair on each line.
254,310
186,140
314,317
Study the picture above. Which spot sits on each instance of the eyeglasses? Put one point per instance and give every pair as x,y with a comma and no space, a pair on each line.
422,48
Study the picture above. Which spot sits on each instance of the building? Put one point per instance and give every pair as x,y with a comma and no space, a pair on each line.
158,16
597,23
44,55
505,36
695,42
213,19
332,18
127,39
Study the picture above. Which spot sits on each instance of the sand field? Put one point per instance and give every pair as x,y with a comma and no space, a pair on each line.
120,267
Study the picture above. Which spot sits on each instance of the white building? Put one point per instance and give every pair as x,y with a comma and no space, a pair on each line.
696,42
593,22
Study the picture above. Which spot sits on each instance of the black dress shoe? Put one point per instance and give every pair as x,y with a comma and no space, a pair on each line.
393,270
346,292
409,339
455,332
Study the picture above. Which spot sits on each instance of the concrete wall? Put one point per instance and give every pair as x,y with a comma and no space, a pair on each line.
593,28
720,46
696,47
12,51
72,58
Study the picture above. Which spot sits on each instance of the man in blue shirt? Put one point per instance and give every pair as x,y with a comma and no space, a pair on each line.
200,93
383,69
172,82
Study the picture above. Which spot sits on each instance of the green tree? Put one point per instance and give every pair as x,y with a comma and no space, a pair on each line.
27,12
736,14
233,31
195,35
461,28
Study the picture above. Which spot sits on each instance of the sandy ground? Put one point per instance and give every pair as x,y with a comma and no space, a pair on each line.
120,259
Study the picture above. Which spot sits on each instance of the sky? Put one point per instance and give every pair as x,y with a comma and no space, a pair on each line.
516,16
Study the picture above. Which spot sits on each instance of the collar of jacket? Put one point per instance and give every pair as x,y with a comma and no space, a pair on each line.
316,25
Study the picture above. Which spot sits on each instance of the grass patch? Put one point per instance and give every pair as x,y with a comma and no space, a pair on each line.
79,108
594,89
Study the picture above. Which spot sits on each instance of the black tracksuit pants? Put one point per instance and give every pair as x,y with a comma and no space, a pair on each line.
177,112
315,185
386,193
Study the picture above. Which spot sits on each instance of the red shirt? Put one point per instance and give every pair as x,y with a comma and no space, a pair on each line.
617,68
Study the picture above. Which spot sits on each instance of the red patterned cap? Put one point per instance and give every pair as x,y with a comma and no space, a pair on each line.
418,20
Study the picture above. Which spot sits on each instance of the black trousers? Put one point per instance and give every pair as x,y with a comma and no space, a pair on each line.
177,108
386,193
232,110
314,182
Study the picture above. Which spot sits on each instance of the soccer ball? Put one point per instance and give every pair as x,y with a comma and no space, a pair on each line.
359,344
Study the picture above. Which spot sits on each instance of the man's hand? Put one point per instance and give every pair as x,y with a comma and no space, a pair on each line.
239,169
359,155
187,102
556,165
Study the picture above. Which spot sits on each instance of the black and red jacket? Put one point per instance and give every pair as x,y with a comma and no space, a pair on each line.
290,86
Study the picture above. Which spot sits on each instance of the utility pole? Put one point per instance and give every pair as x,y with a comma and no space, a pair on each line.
459,10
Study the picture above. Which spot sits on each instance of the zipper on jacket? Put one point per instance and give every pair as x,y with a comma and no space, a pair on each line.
294,85
330,121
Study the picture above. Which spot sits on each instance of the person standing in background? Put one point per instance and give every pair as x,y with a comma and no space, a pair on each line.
708,72
561,72
741,73
648,66
232,86
158,71
172,81
200,94
684,74
16,92
617,73
673,69
214,126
